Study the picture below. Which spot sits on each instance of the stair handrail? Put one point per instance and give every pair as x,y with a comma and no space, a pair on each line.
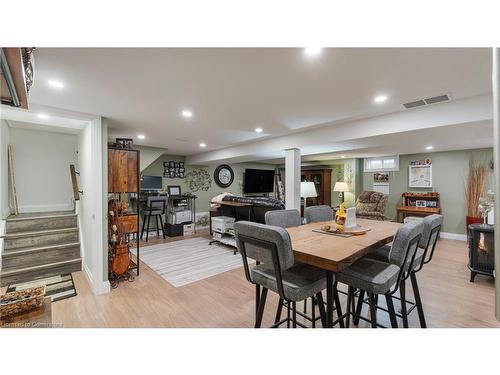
74,182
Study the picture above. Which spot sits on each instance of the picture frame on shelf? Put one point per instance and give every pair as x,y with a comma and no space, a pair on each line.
420,203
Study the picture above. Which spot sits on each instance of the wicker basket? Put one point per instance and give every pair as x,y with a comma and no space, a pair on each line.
22,300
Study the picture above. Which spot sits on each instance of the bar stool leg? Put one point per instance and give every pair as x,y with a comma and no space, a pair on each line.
288,314
392,312
278,312
162,227
418,300
349,299
404,312
359,307
294,312
147,230
260,310
321,306
373,310
143,225
313,313
338,306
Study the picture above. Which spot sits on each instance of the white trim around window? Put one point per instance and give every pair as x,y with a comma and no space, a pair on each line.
382,163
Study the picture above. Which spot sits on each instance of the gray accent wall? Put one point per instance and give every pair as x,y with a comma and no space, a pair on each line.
449,172
204,197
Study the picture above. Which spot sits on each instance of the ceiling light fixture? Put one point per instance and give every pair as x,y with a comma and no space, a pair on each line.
343,156
429,147
203,145
56,84
187,114
43,116
380,99
258,130
312,51
141,136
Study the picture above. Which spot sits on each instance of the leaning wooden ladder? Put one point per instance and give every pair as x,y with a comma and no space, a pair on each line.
11,179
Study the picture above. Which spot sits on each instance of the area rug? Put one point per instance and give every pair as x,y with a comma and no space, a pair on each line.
186,261
56,287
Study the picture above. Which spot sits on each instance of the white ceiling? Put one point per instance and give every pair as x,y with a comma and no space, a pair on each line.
232,91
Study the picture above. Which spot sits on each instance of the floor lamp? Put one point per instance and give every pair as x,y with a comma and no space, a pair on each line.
307,190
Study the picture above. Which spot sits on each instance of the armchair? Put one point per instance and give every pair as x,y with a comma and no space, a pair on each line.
371,205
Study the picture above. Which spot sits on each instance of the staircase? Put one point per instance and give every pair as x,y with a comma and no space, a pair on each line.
39,245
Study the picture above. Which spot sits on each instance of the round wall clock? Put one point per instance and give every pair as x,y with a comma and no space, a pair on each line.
224,175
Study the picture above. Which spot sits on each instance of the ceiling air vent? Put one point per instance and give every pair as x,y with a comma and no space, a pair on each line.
437,99
414,104
427,101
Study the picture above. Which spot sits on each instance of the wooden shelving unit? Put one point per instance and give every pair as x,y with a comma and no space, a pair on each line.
123,178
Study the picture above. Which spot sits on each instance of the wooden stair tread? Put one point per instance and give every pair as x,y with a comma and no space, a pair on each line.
39,232
9,271
40,215
33,249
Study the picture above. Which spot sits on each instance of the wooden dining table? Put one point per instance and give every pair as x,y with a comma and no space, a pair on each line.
334,253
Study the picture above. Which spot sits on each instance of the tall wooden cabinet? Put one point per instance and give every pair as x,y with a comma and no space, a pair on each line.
124,185
322,178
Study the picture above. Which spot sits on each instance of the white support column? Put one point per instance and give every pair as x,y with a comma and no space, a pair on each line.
496,157
292,178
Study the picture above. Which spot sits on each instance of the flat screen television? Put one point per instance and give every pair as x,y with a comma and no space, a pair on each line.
151,183
258,181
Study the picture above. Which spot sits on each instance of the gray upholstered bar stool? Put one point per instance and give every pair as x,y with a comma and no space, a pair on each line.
427,245
376,277
315,214
278,272
283,218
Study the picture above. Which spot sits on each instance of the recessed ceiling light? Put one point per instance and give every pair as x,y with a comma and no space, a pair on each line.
56,84
141,136
203,145
312,51
343,156
380,99
187,114
43,116
429,147
258,130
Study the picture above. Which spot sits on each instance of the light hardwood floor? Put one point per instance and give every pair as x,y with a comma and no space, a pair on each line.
227,300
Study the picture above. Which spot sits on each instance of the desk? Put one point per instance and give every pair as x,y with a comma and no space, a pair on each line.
334,253
402,211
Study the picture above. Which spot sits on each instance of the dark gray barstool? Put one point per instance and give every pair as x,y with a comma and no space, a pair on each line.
376,277
315,214
427,245
278,272
155,206
283,218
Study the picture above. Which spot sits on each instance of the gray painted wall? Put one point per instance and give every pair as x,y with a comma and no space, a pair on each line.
204,197
449,171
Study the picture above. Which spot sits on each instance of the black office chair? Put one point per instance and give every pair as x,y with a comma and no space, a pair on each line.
155,206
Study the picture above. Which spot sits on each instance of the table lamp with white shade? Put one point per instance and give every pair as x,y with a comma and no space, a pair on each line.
341,187
307,190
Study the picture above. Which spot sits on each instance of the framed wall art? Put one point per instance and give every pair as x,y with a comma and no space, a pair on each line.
420,176
174,169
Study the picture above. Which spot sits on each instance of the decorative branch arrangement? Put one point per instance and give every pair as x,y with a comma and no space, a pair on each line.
475,187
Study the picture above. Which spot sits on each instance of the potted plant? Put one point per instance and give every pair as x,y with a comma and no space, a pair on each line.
475,188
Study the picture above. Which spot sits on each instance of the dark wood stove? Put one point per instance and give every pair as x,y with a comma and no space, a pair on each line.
481,250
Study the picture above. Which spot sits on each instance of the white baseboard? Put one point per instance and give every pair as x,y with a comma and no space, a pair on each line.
46,208
103,287
453,236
